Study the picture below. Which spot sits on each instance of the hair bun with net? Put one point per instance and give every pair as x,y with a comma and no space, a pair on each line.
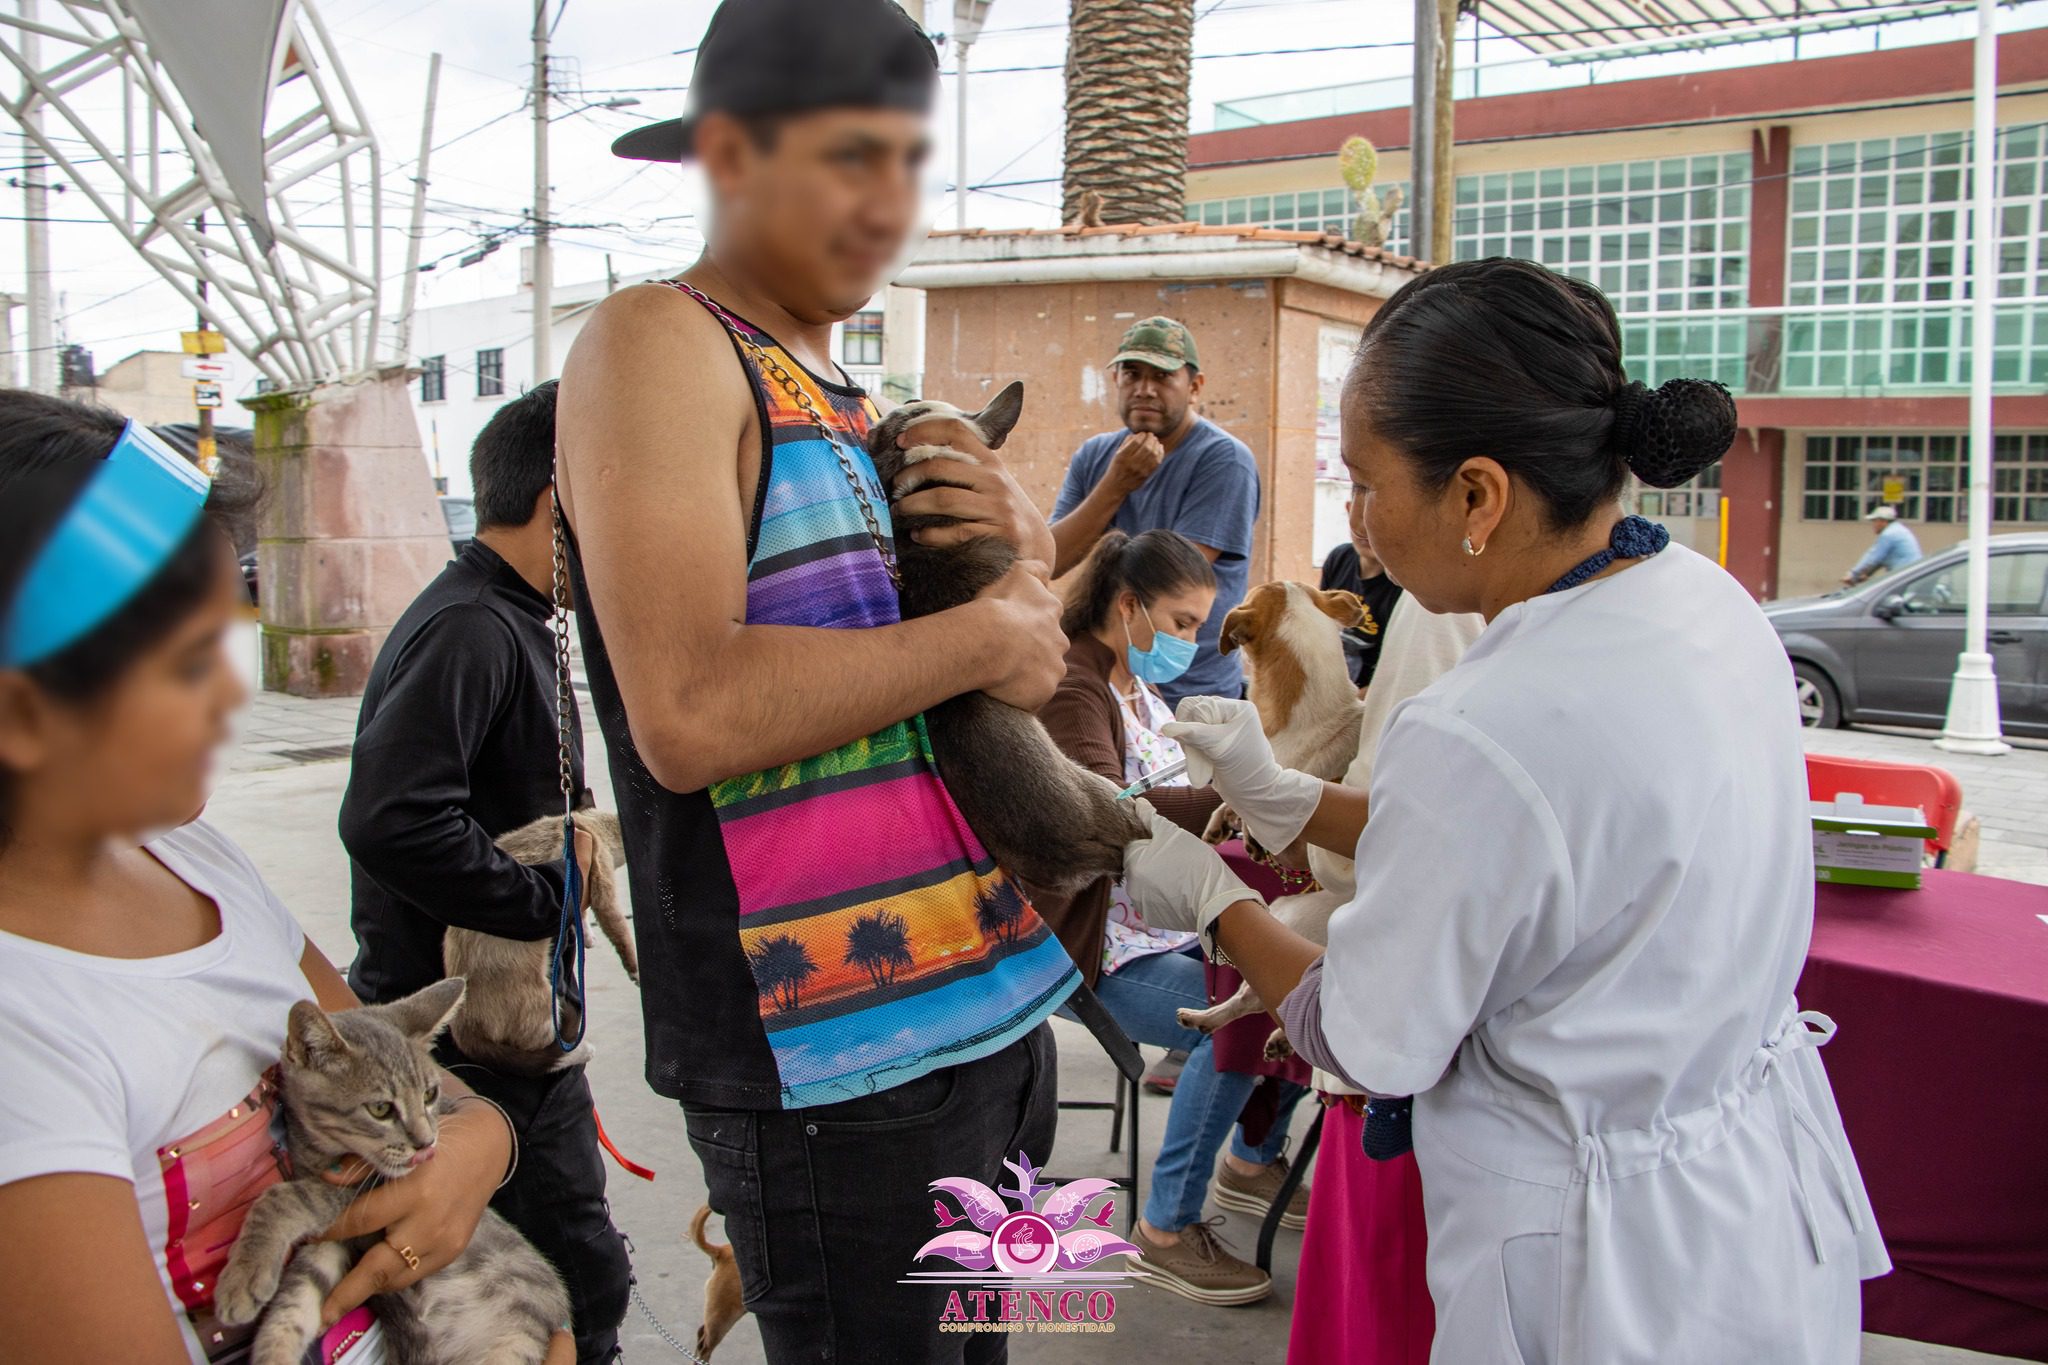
1670,433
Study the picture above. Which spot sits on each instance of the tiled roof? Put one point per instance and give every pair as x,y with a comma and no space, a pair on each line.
1328,241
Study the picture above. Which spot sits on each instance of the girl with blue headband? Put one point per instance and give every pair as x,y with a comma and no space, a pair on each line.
148,969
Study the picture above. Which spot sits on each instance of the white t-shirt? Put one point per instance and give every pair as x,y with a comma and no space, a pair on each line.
1589,851
111,1062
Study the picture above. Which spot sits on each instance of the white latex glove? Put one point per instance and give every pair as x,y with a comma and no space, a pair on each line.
1178,882
1227,749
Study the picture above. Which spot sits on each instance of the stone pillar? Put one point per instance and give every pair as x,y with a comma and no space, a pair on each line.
349,530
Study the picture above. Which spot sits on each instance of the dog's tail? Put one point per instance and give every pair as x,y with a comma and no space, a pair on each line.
705,1244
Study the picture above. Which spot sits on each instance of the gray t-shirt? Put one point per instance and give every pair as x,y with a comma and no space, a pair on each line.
1207,489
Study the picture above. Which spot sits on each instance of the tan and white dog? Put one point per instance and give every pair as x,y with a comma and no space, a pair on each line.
1292,636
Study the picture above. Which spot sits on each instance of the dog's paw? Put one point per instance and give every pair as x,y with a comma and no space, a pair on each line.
244,1288
1278,1049
1222,826
1194,1019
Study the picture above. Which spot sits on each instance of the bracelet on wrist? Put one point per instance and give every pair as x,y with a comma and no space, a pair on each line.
511,1133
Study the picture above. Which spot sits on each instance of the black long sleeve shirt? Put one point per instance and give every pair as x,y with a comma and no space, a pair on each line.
456,745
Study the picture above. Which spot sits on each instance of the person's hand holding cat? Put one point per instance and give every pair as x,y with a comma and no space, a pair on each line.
989,501
432,1212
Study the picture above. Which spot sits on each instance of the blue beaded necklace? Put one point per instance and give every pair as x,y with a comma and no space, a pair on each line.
1634,538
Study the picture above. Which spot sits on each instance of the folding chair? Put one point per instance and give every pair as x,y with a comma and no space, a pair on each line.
1130,1067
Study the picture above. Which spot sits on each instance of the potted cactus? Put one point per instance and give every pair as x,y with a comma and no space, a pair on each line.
1374,219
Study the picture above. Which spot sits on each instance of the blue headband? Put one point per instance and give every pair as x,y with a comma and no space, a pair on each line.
137,508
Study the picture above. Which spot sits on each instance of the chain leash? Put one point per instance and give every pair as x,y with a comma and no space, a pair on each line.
661,1330
566,958
778,374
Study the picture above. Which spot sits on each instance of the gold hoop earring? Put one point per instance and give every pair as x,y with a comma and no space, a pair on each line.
1472,552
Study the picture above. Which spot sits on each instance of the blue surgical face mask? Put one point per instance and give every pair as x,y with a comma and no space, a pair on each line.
1167,659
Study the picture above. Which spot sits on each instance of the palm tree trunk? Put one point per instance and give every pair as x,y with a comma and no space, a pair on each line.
1127,108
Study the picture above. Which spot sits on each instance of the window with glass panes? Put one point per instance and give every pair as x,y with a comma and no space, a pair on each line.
433,378
860,340
1701,497
1846,475
490,372
1664,237
1301,211
1887,221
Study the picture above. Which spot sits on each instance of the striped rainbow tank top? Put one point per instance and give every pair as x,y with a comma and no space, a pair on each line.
881,940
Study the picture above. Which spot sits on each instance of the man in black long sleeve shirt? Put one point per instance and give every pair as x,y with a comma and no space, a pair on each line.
457,744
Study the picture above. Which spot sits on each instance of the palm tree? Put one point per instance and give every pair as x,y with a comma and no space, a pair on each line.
1127,109
880,942
999,911
781,966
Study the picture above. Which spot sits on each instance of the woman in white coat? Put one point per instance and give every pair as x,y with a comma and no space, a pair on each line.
1586,888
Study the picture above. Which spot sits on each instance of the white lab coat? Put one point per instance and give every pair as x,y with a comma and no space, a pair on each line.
1583,900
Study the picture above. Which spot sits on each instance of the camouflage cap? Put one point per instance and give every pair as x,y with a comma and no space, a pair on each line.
1161,343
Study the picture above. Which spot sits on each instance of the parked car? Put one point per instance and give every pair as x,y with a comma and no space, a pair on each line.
1885,651
460,514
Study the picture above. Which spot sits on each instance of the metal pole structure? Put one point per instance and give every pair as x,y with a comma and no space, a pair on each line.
1973,726
41,340
419,213
208,451
8,378
960,135
543,263
968,17
1422,134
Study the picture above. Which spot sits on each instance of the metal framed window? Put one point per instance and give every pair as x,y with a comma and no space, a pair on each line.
490,372
860,340
1299,211
1848,473
1699,497
1664,237
433,378
1888,221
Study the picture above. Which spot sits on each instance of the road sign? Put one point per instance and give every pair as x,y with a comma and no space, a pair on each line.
206,394
199,367
1895,491
203,343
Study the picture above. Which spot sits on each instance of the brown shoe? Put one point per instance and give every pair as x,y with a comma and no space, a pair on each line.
1254,1194
1197,1267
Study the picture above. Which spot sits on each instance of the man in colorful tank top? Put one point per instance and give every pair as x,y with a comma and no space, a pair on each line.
842,989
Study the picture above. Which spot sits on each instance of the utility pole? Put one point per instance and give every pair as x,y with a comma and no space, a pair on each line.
1431,138
543,264
41,340
968,17
419,213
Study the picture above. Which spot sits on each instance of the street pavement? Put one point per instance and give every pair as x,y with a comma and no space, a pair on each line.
281,786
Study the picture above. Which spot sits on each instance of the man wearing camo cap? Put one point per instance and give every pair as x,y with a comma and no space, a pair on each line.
1168,469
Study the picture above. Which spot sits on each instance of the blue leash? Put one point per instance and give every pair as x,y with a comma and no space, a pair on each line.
1388,1130
565,961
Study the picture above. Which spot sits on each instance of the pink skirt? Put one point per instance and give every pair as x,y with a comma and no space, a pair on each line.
1361,1295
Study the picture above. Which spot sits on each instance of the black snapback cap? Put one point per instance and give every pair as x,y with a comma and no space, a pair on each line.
791,56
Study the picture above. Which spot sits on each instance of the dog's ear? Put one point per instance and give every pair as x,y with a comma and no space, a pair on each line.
1345,608
999,418
1238,619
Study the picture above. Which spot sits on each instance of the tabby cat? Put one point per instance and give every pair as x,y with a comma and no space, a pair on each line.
361,1083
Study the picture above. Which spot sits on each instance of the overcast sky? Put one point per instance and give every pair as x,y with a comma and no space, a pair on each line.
481,176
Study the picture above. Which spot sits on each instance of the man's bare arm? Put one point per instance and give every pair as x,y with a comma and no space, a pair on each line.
1075,534
653,414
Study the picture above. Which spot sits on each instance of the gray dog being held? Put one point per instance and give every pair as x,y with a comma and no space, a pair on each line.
507,1022
362,1083
1042,816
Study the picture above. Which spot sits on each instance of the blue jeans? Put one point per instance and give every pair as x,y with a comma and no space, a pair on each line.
1142,996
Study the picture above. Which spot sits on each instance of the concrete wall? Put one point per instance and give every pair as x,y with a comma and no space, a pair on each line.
1257,340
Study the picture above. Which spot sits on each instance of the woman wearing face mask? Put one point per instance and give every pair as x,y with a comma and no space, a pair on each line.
1132,613
1586,888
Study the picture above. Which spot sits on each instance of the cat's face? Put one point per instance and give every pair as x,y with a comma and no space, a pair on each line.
362,1082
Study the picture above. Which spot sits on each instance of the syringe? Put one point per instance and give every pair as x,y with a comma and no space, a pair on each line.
1156,778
